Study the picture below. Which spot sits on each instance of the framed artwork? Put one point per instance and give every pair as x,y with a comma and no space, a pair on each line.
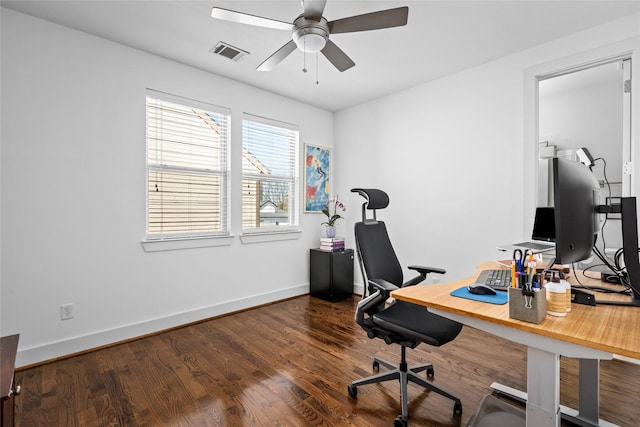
317,163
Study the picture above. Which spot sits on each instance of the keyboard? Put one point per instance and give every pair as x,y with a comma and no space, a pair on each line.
499,280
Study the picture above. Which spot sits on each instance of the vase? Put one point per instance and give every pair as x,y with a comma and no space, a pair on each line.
330,231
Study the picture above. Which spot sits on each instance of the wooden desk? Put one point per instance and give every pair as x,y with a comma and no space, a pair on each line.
588,333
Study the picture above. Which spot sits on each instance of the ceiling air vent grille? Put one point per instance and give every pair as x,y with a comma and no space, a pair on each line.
228,51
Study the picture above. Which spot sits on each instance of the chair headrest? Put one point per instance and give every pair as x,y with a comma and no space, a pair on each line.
376,199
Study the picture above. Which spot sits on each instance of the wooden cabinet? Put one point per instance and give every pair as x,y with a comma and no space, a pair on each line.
8,389
331,274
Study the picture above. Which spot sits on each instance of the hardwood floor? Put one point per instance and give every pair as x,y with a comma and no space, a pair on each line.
284,364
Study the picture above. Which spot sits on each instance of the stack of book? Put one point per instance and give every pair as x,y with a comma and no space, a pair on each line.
332,244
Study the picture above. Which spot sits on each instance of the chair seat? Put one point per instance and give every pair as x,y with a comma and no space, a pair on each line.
416,323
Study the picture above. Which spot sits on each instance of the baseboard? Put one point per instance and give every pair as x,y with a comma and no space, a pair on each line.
64,348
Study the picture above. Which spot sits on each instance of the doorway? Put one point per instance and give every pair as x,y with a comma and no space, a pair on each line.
588,107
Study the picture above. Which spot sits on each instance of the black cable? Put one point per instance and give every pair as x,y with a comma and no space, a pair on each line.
606,180
604,173
617,272
601,289
575,275
584,272
606,261
616,258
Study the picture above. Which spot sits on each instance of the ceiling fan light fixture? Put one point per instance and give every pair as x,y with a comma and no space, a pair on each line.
310,36
311,43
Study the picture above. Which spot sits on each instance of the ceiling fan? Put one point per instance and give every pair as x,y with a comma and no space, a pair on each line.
310,31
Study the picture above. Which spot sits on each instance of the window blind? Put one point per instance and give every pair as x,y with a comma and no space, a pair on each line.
270,178
186,167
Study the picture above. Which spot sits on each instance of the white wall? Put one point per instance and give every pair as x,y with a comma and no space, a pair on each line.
73,196
453,153
588,117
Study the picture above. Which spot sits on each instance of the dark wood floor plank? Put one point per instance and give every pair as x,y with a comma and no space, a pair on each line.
284,364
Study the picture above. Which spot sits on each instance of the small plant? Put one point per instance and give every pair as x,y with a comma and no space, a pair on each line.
331,211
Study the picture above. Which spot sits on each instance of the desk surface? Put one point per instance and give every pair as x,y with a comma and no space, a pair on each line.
614,329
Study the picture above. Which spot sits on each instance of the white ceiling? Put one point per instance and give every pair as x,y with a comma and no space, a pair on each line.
441,37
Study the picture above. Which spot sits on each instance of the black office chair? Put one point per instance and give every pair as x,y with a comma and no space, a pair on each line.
400,322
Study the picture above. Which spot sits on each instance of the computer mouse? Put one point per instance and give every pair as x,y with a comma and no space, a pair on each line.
480,289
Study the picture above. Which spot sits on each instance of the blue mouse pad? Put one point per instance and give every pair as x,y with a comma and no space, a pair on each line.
498,298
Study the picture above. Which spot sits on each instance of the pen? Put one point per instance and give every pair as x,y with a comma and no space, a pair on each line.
522,279
513,273
528,261
532,270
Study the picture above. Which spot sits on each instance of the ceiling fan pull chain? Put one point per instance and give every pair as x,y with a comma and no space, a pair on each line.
317,80
304,56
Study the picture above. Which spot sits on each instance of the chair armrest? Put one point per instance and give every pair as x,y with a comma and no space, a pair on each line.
368,305
423,270
383,285
426,270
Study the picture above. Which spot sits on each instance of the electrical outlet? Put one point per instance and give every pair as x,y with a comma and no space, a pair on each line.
66,311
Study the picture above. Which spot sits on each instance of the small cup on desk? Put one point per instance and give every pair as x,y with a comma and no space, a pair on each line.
556,298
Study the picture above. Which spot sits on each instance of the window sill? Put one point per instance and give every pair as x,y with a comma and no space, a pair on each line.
186,243
271,236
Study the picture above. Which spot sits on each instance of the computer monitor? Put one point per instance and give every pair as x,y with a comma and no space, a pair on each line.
576,210
576,195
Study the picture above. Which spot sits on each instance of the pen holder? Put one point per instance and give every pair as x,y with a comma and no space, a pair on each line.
528,306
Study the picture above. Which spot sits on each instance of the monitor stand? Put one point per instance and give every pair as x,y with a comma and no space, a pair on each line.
630,247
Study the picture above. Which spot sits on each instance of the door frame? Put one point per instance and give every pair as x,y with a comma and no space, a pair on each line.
584,60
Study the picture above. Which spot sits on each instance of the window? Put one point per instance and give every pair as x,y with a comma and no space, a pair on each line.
186,168
270,178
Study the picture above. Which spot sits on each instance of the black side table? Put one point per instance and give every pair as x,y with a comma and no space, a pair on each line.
331,274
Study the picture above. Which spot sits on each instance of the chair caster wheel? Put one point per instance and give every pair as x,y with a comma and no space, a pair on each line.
399,422
353,391
376,366
457,408
430,372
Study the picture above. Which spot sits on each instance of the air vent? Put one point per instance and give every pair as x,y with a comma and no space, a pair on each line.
228,51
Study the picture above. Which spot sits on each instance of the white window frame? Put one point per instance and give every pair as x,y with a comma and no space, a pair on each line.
153,241
292,177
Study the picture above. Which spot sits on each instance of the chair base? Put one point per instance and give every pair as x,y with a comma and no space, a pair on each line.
405,375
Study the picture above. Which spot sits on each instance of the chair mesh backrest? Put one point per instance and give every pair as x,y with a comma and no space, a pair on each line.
377,256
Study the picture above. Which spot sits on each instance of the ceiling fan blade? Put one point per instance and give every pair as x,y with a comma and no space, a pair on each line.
313,9
337,57
245,18
371,21
271,62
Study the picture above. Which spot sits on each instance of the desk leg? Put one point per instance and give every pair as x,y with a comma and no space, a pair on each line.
588,414
589,389
543,388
